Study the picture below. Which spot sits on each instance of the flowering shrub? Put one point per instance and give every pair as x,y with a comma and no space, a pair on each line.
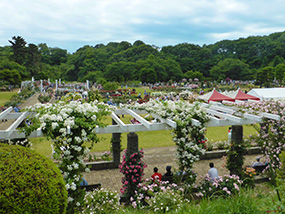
45,98
166,201
226,185
189,138
185,94
69,125
101,201
105,156
72,97
148,190
21,142
271,137
248,177
132,168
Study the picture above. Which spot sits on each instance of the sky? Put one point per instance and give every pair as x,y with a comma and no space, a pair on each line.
71,24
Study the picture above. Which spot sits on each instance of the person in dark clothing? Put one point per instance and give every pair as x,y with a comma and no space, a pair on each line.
168,172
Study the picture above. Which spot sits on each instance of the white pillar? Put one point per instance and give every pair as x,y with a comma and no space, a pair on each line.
87,84
56,85
48,81
33,79
41,87
59,82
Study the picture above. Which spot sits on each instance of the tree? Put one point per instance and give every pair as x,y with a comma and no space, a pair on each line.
11,65
148,75
94,76
265,76
280,72
33,61
19,49
231,68
193,75
13,77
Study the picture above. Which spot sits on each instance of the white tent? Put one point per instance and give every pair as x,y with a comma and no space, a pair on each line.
267,93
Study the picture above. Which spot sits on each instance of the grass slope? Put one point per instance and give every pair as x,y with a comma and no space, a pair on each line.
5,97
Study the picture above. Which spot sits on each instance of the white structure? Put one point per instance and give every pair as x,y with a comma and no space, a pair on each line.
220,116
267,93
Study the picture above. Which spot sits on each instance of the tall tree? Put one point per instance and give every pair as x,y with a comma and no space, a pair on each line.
19,49
33,61
280,72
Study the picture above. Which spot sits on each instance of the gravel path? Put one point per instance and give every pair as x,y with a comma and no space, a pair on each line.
157,157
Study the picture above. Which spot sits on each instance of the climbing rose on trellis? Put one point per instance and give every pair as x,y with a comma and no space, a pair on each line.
189,137
132,168
70,125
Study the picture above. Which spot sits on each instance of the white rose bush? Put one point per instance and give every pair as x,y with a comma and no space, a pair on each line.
70,125
189,138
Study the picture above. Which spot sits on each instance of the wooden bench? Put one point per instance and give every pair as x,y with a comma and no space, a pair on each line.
91,187
167,178
259,169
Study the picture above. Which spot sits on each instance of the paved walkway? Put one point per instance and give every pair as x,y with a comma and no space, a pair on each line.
159,157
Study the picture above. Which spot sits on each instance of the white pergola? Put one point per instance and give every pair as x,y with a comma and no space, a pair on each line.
220,115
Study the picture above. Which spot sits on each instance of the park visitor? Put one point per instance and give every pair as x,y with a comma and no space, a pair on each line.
213,172
168,172
156,175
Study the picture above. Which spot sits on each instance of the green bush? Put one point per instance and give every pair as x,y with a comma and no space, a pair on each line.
30,182
281,171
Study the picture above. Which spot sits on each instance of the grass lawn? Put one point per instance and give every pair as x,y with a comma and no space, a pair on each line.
5,97
146,139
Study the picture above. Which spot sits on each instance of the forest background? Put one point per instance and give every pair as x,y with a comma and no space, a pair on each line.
260,58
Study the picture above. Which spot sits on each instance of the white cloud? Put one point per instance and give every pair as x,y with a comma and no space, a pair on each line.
102,21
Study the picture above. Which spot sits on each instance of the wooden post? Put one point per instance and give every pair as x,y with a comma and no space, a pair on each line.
116,145
133,143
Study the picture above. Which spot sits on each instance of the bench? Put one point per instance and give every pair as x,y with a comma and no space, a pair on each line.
167,178
259,169
91,187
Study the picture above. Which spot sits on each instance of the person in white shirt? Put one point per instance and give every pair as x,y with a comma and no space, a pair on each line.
213,172
257,162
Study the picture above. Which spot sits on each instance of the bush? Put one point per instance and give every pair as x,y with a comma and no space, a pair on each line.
101,201
225,186
29,182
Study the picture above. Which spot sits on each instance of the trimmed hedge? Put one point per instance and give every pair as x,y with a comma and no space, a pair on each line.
30,182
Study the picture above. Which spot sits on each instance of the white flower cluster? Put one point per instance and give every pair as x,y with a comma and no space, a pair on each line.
185,94
69,125
189,138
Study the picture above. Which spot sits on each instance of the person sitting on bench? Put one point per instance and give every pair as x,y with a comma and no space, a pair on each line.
257,162
168,172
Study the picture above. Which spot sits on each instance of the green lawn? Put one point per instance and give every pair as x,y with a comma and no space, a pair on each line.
5,97
146,139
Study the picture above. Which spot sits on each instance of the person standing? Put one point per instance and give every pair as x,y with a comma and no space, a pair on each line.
230,134
213,172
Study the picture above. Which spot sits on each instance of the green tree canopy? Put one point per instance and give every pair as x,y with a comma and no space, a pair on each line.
232,68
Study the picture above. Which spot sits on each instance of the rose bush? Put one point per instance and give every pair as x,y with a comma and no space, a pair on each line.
69,125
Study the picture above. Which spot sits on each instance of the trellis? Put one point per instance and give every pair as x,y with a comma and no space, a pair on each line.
220,115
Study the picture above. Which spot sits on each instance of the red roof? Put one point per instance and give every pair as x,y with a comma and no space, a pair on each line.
243,96
216,96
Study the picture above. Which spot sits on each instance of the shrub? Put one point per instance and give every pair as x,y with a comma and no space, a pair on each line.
166,201
132,168
226,185
143,197
281,171
101,201
29,182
